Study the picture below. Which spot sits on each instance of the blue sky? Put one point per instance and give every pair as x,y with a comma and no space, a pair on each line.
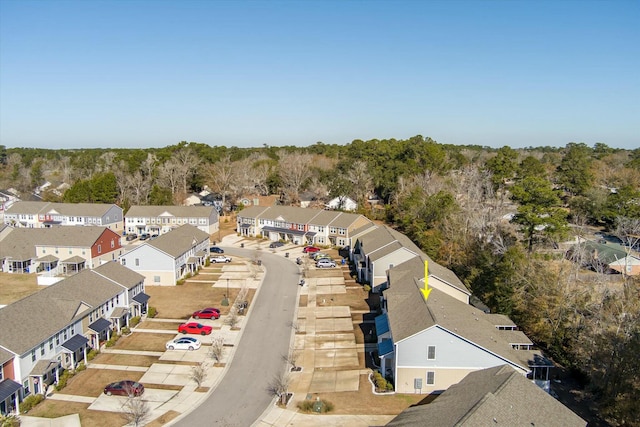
83,74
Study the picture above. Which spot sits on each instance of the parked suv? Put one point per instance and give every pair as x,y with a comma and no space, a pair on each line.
325,263
219,258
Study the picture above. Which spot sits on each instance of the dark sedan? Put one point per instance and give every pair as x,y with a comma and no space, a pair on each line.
273,245
124,388
216,250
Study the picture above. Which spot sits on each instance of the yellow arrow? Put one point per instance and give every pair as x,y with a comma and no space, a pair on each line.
427,290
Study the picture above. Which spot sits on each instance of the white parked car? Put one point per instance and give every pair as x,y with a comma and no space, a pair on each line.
183,343
325,263
219,258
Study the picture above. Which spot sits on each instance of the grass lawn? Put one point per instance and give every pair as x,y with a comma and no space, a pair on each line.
125,359
179,302
57,408
14,286
91,382
363,402
143,341
165,326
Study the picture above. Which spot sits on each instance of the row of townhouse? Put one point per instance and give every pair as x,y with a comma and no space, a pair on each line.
57,251
162,219
49,214
170,257
53,329
139,219
301,226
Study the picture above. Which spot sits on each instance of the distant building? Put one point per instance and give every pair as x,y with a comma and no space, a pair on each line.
162,219
47,214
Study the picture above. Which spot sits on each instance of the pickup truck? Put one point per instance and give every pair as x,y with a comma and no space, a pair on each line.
219,258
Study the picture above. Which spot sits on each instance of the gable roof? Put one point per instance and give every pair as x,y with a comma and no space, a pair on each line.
179,240
68,209
296,215
493,396
57,306
410,314
22,242
138,211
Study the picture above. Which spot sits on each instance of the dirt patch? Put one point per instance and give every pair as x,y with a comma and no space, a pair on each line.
165,326
124,359
57,408
179,302
14,286
91,382
143,341
364,402
163,419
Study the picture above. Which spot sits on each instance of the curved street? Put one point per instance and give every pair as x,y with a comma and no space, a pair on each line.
242,395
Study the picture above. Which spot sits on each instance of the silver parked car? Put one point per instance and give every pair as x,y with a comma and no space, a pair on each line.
325,263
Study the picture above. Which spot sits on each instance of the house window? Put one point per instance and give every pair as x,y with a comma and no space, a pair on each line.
70,251
42,349
33,355
431,378
50,344
58,339
99,249
124,261
113,244
137,262
25,386
431,352
156,279
342,231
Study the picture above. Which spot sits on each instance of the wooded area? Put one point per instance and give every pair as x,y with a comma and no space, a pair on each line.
499,218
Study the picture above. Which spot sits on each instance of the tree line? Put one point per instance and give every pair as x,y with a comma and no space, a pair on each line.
500,218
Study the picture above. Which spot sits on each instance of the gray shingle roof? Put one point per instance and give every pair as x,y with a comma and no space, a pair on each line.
67,209
31,320
21,242
175,211
494,396
296,215
409,314
179,240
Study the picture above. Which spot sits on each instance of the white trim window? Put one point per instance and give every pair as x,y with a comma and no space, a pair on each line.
431,352
431,378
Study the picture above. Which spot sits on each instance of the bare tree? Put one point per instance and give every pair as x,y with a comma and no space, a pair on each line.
199,373
361,180
217,348
187,163
294,169
169,175
279,386
222,176
136,411
232,319
292,358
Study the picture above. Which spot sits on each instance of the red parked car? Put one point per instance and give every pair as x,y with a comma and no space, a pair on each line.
124,388
194,328
310,249
207,313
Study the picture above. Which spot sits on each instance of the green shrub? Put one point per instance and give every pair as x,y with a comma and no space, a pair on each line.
62,383
92,354
126,331
134,321
152,312
112,341
10,420
308,406
29,402
180,282
81,367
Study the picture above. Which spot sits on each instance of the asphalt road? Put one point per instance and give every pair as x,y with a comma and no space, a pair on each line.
242,395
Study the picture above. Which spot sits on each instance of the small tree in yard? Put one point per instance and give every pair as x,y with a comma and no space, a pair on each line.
198,373
136,411
292,358
233,319
217,348
279,387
